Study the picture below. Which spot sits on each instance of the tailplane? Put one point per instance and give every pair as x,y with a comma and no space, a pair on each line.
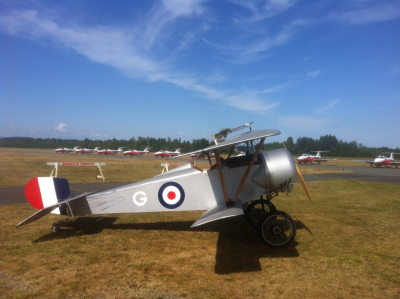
50,195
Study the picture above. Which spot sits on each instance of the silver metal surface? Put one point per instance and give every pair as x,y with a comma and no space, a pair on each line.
277,168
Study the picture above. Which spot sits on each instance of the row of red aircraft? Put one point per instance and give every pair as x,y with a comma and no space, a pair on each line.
379,161
131,152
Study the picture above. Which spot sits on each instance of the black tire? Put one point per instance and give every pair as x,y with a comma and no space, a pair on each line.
276,229
55,228
254,211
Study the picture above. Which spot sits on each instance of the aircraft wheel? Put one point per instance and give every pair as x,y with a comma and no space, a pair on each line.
55,228
276,229
254,211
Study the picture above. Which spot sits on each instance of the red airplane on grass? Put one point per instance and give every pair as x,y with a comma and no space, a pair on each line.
382,161
307,158
65,150
136,152
167,154
110,151
79,150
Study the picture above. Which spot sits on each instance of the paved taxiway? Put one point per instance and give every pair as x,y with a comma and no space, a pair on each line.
15,195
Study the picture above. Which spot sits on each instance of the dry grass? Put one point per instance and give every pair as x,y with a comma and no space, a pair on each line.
18,166
346,247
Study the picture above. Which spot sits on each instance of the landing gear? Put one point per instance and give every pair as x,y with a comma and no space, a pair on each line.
55,228
257,209
276,229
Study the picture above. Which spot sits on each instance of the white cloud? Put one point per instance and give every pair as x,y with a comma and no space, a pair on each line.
314,73
385,11
61,128
261,10
128,50
327,106
94,134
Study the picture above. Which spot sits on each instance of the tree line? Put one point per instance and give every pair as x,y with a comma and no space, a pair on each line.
336,148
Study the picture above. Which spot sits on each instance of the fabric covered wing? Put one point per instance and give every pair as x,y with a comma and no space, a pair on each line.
248,136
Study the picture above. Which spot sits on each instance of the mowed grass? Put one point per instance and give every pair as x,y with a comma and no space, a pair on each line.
347,246
18,166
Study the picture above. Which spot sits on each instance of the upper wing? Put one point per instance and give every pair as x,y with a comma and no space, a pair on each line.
248,136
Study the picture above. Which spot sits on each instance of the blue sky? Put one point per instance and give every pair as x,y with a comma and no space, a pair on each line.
117,69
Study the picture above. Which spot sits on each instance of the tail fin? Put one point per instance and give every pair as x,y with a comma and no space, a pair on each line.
121,149
43,192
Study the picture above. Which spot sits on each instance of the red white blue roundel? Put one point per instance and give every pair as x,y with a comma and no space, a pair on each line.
171,195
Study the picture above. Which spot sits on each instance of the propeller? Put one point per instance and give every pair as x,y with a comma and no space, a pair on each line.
300,177
302,181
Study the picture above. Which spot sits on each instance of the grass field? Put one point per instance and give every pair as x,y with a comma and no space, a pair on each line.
20,165
347,246
18,168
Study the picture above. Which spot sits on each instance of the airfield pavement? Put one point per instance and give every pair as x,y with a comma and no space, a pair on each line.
16,195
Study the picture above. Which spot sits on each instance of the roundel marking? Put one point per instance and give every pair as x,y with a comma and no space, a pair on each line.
171,195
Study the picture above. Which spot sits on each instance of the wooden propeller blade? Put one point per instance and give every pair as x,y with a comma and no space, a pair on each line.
302,182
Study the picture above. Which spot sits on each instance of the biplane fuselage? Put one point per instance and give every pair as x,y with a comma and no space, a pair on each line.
220,190
184,194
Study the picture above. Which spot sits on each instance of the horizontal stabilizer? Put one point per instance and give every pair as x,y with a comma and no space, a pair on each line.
219,212
43,212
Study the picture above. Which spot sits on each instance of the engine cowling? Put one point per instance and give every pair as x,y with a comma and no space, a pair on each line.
276,171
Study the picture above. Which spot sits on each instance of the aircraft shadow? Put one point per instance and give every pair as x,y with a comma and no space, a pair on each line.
238,246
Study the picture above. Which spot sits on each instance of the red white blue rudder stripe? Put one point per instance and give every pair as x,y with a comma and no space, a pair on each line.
46,191
171,195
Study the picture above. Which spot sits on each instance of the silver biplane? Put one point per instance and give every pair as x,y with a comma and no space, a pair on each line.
232,186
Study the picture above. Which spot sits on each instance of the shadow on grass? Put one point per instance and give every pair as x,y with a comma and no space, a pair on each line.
238,246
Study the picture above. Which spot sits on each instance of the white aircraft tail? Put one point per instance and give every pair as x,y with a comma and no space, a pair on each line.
97,149
319,153
121,149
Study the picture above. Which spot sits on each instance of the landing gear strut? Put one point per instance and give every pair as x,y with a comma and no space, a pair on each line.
275,228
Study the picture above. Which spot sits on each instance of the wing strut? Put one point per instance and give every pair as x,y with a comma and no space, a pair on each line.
248,170
221,176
